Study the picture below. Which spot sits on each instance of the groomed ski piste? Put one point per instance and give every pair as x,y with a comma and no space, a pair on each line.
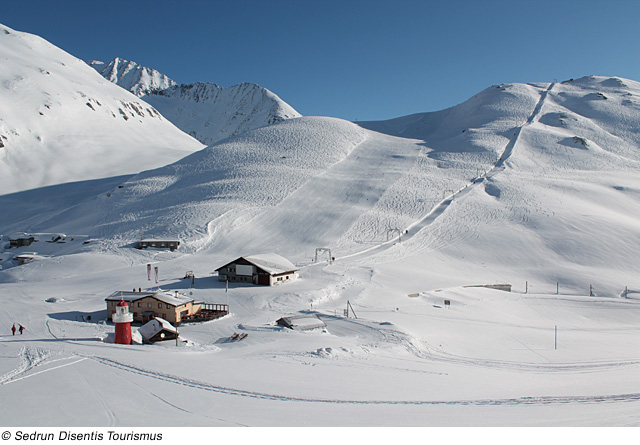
533,185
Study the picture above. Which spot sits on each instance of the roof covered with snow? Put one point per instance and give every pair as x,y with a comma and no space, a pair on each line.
172,298
271,262
148,330
302,322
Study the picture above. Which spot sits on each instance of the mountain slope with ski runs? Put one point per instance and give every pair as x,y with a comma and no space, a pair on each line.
402,222
203,110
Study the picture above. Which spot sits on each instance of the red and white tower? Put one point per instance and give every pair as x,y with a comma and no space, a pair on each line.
122,319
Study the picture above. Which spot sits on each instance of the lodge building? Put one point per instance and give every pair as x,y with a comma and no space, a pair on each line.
145,306
266,269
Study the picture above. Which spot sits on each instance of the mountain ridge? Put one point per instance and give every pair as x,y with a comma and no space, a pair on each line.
204,110
129,75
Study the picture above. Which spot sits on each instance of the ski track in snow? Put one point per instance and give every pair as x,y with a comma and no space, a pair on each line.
112,417
29,359
534,400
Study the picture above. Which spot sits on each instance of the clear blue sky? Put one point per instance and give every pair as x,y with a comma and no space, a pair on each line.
364,60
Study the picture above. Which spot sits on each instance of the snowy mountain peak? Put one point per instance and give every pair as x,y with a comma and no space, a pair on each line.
204,110
129,75
211,113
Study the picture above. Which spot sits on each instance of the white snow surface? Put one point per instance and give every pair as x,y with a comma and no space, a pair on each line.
60,121
539,191
203,110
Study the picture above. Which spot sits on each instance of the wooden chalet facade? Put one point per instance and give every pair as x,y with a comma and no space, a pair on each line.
145,306
21,241
265,270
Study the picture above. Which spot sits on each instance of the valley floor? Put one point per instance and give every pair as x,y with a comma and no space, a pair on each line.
488,358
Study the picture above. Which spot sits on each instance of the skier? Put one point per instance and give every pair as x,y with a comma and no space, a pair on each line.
13,329
22,328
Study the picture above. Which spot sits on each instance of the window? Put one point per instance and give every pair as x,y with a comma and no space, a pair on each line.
168,307
159,305
149,305
139,304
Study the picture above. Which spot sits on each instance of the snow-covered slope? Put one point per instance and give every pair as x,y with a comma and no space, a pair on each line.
532,185
204,110
60,121
320,182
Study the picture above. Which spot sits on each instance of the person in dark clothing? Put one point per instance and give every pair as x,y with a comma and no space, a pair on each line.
22,328
13,329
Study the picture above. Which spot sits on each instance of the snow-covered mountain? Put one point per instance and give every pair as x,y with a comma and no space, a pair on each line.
133,77
522,155
60,121
204,110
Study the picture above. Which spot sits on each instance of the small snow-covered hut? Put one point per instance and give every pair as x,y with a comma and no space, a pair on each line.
157,329
26,257
302,322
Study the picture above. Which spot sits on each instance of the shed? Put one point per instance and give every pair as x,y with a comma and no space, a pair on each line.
265,269
502,287
26,257
171,244
302,322
158,329
21,240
